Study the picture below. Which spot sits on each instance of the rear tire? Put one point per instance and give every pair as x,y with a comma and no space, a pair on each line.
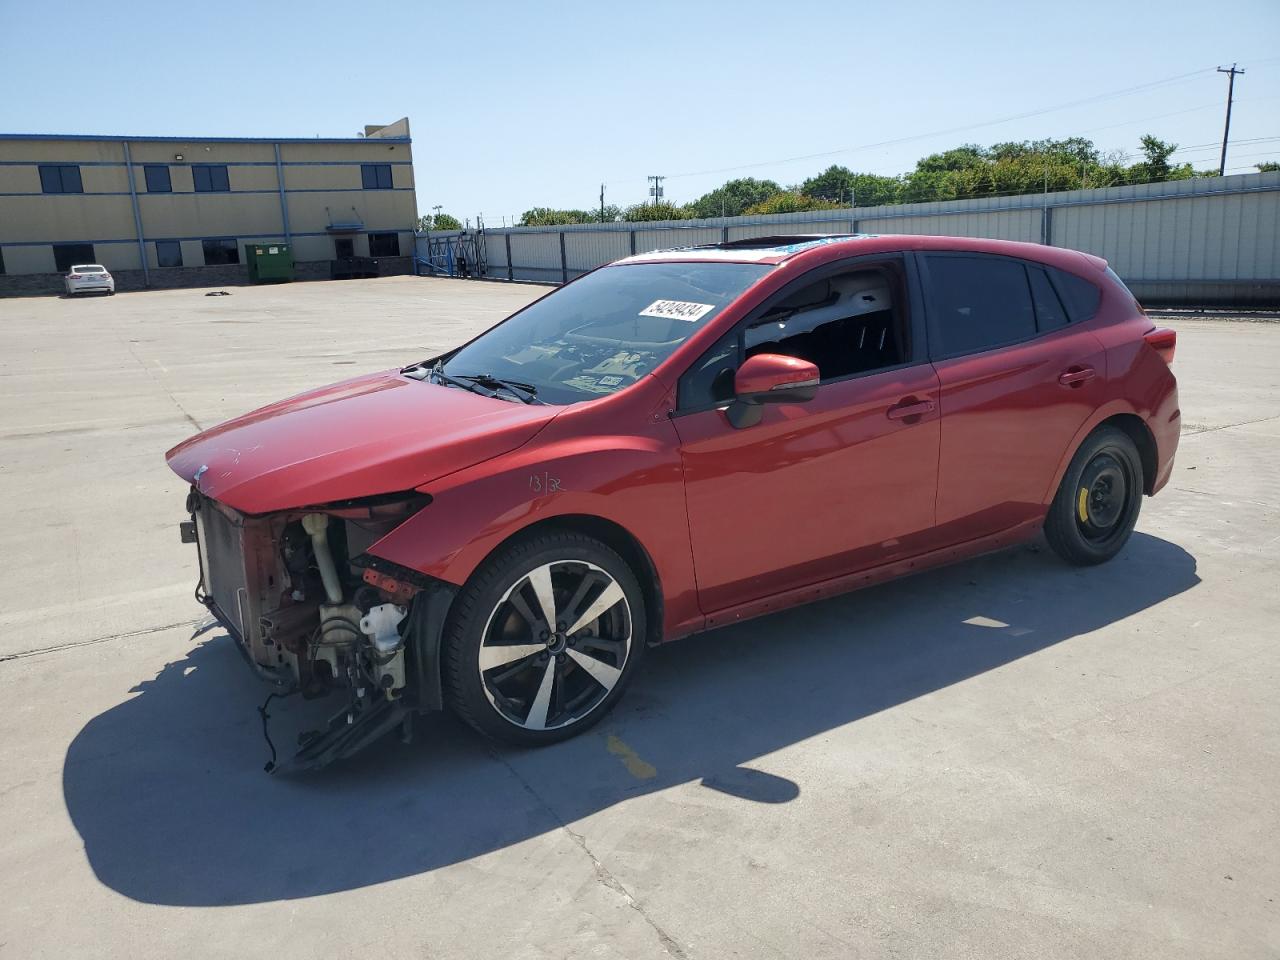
517,678
1097,504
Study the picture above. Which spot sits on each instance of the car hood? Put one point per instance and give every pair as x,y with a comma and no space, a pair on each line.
381,433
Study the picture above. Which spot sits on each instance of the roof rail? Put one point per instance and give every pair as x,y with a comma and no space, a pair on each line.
780,240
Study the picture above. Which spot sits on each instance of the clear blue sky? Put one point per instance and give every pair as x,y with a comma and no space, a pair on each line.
515,105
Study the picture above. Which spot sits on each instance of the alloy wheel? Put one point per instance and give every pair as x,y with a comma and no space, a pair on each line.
555,645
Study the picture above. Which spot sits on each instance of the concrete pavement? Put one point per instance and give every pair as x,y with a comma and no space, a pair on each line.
1006,758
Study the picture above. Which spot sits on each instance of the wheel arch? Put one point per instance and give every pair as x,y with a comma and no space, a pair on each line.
1123,417
619,539
1142,438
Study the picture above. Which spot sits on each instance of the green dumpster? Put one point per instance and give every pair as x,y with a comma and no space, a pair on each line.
269,262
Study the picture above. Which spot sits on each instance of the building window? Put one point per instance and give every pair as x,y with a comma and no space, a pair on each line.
210,177
1,263
157,178
375,176
223,250
67,255
60,178
384,244
169,253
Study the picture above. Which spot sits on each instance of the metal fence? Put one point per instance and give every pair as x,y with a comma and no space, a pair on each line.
1208,241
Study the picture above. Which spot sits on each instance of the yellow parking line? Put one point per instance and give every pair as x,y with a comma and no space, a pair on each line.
638,768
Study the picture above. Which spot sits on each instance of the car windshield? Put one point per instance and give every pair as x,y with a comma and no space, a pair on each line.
605,331
88,268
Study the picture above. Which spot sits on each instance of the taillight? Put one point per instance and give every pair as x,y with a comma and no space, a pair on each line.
1164,341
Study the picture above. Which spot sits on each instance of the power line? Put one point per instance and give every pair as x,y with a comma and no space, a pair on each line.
1158,116
1175,113
1097,98
1094,99
1264,153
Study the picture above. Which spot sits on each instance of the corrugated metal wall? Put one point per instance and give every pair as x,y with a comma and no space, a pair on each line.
1211,240
998,225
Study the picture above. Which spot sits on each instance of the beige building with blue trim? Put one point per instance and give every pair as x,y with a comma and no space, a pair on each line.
175,211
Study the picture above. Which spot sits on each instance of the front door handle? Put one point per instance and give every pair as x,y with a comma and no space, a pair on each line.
911,407
1076,376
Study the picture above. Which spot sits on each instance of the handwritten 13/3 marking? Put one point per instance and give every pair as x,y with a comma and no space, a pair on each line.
543,483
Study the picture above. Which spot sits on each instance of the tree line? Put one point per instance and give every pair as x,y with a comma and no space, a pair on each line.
440,221
965,172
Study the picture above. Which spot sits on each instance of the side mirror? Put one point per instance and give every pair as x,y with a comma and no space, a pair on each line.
770,378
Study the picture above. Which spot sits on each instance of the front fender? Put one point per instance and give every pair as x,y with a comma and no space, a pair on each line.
635,481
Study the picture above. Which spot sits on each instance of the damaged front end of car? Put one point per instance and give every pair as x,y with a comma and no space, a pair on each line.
315,614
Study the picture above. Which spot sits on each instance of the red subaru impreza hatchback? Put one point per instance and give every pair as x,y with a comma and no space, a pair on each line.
672,442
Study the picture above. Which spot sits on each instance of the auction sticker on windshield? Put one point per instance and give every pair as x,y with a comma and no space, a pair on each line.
677,310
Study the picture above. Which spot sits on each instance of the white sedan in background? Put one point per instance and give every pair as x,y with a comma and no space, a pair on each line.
87,277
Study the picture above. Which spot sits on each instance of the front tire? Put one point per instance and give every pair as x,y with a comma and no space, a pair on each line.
1097,504
543,639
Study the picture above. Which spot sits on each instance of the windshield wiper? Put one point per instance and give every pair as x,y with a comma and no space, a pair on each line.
525,392
435,373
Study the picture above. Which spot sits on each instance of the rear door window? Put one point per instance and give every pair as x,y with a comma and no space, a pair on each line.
977,303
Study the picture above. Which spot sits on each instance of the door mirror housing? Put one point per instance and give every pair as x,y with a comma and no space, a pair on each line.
770,378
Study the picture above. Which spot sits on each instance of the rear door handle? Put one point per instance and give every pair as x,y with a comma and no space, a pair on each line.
909,408
1076,376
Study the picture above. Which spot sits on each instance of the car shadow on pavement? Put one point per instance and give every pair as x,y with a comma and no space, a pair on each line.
168,794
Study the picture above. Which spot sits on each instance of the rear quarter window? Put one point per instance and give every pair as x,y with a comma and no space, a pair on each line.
1078,295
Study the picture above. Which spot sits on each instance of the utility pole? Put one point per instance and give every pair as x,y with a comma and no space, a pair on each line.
1044,210
437,208
602,203
656,190
1226,130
